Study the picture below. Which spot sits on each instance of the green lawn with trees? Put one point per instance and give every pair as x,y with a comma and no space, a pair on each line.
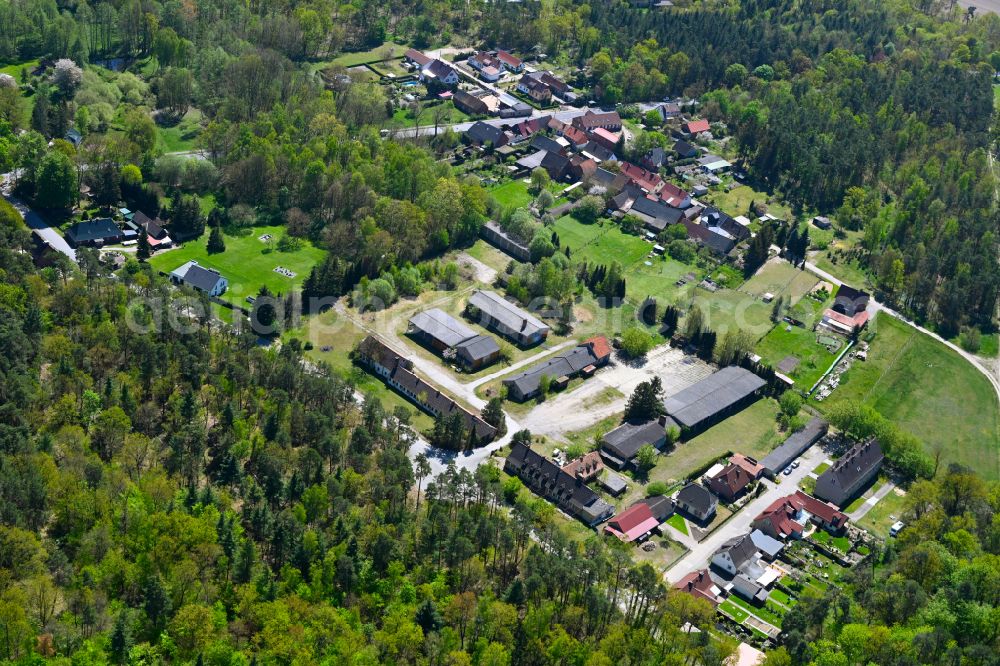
247,262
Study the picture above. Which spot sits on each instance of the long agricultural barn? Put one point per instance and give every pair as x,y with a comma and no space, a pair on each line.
794,446
495,312
713,399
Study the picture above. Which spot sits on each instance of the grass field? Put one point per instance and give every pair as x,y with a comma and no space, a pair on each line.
814,359
930,391
751,432
780,277
383,52
727,309
247,263
737,202
850,272
406,117
182,136
881,517
14,69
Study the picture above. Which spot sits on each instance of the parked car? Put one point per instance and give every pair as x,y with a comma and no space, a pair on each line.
795,464
788,471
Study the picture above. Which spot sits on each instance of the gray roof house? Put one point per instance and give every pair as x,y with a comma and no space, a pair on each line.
713,399
526,385
697,502
542,142
735,554
477,352
794,446
481,133
620,446
656,215
749,589
850,473
545,478
93,232
397,371
769,547
495,312
439,329
206,280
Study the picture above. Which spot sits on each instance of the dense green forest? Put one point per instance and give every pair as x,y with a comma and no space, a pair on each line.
195,498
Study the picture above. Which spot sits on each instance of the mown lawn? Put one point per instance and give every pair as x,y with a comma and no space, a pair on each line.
781,278
733,611
930,391
678,523
762,613
406,117
184,135
247,263
881,517
600,243
785,340
752,432
512,194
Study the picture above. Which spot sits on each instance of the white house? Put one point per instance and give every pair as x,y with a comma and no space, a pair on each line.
206,280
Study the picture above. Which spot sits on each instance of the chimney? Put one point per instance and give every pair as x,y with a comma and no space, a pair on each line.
524,325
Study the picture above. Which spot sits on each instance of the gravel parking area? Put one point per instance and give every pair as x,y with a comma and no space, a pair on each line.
568,412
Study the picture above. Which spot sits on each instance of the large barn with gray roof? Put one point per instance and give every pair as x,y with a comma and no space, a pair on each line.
713,399
495,312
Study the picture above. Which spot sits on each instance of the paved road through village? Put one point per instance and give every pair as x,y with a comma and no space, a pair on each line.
701,554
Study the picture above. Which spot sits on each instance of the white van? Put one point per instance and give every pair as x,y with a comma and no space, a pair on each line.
896,528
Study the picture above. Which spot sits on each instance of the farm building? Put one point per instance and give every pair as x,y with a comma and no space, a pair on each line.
494,234
583,359
713,399
495,312
620,446
477,352
397,372
439,329
794,446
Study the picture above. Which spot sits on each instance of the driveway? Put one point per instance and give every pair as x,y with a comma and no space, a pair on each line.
870,503
739,524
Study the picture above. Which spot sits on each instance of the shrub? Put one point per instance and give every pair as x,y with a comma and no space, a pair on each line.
636,342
